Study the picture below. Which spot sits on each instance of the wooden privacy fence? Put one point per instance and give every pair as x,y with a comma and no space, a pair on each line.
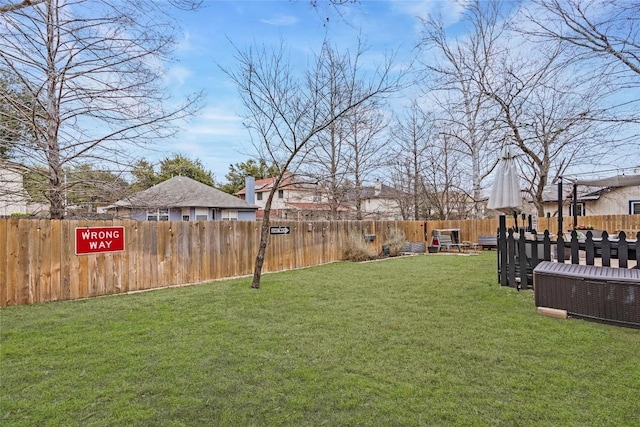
38,262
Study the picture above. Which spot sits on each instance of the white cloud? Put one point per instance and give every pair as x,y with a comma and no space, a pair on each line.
449,10
280,20
184,45
215,122
178,74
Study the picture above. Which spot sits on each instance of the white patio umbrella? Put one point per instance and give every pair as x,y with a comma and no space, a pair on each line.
505,193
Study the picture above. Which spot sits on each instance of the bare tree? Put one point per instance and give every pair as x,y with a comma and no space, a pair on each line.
14,100
464,113
541,101
349,150
413,133
19,4
401,179
15,5
285,112
607,30
599,35
550,110
329,159
95,71
369,150
442,171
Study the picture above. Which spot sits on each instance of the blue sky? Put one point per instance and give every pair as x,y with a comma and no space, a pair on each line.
216,136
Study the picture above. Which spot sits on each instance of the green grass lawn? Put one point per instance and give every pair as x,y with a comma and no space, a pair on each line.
424,340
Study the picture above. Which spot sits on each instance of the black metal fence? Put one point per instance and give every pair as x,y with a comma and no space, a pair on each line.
520,252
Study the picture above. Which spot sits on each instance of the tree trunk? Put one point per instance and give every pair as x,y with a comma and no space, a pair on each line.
262,249
55,196
264,234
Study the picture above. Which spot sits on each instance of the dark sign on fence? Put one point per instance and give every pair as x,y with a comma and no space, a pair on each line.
91,240
279,230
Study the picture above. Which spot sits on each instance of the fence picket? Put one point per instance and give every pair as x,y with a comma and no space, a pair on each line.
50,246
4,298
24,293
65,261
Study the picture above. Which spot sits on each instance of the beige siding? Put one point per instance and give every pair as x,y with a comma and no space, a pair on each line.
12,195
615,201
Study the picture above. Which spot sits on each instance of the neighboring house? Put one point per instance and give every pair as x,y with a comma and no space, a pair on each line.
182,198
295,199
298,200
381,202
619,195
13,197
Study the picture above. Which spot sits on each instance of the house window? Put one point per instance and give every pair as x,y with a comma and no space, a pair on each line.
280,194
579,209
202,214
229,215
158,215
634,207
186,214
185,217
259,196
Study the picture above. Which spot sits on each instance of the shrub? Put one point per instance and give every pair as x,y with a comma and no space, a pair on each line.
356,249
20,215
394,241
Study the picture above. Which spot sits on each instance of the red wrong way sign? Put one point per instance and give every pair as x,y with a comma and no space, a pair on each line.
91,240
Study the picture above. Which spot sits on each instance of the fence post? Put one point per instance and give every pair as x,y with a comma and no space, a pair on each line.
546,245
502,251
560,248
511,259
560,201
522,255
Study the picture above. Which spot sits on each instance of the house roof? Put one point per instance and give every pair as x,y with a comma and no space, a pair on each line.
310,206
589,189
585,192
613,181
384,192
181,191
266,184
